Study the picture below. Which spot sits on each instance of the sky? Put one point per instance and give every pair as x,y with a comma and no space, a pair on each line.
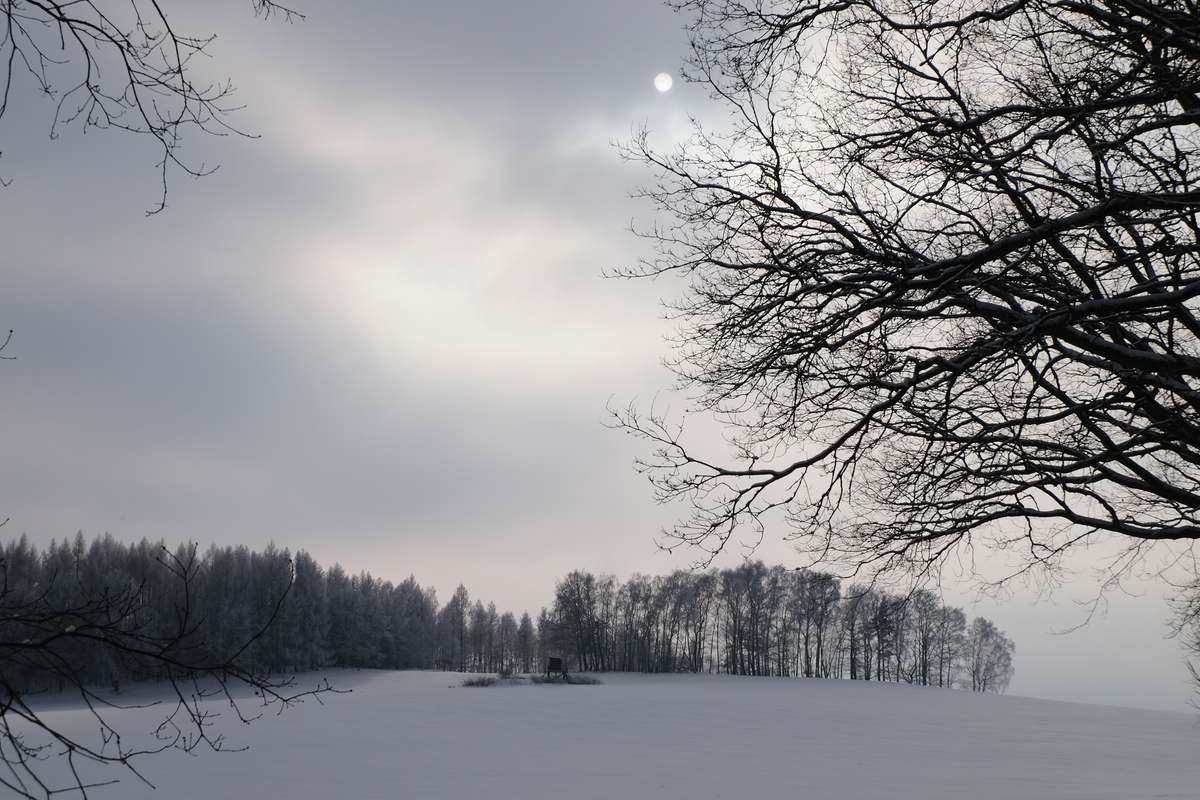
380,331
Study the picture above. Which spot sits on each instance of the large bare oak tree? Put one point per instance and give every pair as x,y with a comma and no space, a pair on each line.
942,276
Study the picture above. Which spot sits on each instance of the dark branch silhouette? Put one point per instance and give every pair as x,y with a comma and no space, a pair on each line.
942,279
118,65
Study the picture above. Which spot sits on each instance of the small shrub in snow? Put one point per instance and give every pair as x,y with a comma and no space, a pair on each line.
583,680
574,680
483,680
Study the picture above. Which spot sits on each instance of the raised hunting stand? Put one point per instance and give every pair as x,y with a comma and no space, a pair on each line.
556,666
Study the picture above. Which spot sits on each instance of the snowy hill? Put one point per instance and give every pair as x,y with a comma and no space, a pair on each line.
409,735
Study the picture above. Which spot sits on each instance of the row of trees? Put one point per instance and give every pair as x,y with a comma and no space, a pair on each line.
76,617
759,620
269,611
277,612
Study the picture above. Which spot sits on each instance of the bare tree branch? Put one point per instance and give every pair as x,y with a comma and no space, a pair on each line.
943,279
119,65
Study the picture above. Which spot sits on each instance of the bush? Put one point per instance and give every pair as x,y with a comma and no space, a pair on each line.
583,680
483,680
573,680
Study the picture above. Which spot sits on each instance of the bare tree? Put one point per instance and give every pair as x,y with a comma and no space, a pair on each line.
990,657
50,632
1186,627
942,278
758,620
120,65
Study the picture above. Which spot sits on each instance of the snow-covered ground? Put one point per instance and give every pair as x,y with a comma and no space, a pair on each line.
410,735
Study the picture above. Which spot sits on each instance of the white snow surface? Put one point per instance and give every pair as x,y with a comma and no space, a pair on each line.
420,735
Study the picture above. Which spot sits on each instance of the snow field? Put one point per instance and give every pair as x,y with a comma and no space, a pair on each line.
410,735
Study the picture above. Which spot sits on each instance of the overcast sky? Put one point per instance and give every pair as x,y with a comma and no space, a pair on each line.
380,332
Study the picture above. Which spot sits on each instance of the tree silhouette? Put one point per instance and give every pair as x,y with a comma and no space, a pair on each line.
119,65
942,279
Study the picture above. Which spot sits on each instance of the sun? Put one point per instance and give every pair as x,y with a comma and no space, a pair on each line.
663,82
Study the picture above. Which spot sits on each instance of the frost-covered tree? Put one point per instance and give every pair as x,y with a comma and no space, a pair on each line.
506,643
990,657
89,619
526,647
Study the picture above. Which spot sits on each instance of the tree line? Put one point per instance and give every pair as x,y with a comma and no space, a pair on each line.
278,612
760,620
79,618
68,611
